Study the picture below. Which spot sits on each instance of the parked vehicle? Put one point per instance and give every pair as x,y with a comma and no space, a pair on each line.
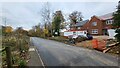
81,38
76,38
75,33
71,40
89,37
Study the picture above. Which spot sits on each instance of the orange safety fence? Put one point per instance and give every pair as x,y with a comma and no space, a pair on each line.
99,44
95,43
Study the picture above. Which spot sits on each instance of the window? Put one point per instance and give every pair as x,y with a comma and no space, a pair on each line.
74,33
94,31
94,24
109,22
78,27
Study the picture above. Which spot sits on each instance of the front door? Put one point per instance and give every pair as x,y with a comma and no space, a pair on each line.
105,32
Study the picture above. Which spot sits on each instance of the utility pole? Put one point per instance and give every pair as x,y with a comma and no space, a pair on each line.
5,22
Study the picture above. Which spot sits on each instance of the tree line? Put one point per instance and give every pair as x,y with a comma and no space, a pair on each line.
52,23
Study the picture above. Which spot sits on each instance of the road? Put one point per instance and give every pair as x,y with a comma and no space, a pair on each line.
55,53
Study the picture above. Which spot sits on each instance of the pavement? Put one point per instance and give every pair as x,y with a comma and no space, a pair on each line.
35,59
54,53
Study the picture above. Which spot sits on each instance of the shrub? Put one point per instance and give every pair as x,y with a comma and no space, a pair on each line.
22,64
8,41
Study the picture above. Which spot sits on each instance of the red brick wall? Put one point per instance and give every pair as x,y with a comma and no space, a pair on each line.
88,26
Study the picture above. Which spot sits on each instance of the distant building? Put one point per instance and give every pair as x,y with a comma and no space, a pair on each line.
99,25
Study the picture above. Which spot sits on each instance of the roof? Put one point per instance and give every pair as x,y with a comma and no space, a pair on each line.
106,16
81,23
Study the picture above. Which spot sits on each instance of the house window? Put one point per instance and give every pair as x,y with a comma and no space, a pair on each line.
109,22
74,33
94,24
78,27
94,31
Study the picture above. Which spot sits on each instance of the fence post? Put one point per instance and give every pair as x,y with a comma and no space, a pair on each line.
8,57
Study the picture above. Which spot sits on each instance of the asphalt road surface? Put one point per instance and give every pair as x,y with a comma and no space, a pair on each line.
55,53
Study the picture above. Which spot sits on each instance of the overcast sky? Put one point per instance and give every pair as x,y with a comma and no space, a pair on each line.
26,14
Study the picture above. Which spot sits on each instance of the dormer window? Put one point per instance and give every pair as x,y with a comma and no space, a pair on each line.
94,24
108,22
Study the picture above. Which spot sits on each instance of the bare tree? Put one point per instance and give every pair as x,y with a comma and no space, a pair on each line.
45,13
46,16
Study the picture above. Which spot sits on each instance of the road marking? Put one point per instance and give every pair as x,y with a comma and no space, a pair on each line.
40,58
32,49
68,45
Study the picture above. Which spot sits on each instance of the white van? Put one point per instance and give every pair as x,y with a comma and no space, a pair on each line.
75,33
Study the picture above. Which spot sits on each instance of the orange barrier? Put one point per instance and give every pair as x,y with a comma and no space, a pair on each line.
95,43
100,45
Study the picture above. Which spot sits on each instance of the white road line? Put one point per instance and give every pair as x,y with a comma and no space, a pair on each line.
68,45
40,58
31,49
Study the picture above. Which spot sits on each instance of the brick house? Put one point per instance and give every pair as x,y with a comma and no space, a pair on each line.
99,25
78,25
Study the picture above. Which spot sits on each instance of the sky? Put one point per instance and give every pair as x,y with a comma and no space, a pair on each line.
27,14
